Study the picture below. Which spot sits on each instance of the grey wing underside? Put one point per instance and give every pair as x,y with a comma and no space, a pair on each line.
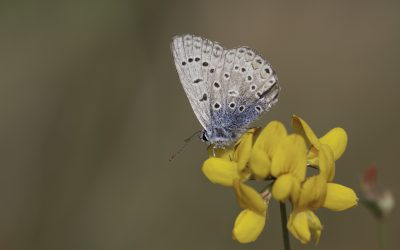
193,57
248,88
227,88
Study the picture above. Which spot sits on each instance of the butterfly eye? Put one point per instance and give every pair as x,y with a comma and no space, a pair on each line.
204,136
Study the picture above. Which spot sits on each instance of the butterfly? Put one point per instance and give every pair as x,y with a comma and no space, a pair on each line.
227,88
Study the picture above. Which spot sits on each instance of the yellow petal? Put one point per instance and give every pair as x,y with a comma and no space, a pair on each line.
315,225
313,193
337,140
290,157
249,198
270,137
298,226
243,149
220,171
340,197
296,191
302,128
248,226
326,162
282,187
260,163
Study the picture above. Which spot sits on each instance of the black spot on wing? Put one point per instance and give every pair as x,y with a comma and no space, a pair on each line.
203,98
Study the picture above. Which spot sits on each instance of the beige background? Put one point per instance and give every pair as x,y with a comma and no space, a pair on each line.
91,109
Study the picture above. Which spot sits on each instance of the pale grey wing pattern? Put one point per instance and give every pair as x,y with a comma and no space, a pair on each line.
250,87
257,85
192,57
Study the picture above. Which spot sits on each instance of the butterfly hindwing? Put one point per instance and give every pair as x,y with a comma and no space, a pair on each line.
258,90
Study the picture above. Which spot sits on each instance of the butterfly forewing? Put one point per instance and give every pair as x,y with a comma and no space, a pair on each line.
187,54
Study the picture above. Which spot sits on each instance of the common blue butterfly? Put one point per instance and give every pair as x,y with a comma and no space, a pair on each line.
227,88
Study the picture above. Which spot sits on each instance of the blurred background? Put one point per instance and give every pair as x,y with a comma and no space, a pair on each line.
92,108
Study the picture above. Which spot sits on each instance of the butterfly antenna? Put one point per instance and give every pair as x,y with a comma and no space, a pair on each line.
185,143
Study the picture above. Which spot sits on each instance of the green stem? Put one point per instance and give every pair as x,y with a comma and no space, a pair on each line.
285,232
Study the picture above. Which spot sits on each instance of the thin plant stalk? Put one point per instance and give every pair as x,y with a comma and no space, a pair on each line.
285,233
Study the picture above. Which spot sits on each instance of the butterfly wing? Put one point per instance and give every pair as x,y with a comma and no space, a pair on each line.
192,57
227,89
249,87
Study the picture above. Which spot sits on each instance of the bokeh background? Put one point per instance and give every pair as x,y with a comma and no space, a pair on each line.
91,109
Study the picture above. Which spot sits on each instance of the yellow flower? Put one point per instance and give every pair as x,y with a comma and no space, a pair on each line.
332,145
323,153
251,221
318,191
229,165
273,155
303,224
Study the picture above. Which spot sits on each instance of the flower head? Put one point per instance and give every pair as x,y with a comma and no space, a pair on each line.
281,160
